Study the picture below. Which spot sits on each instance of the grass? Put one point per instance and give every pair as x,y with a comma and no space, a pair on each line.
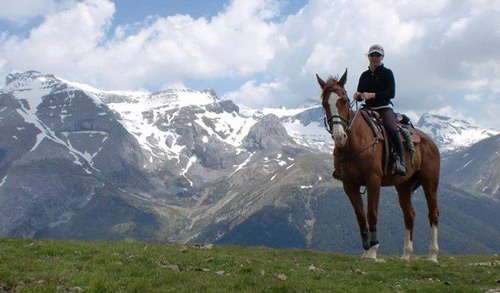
127,266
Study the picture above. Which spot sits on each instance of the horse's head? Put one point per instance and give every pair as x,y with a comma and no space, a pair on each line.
336,105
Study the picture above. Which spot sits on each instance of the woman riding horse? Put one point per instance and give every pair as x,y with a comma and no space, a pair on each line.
358,160
377,87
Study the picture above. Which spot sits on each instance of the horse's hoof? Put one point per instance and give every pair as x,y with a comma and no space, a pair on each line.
371,254
405,258
406,255
432,259
375,260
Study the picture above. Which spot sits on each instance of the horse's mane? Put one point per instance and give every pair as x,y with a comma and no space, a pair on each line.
332,81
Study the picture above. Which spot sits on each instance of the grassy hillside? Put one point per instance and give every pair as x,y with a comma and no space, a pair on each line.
69,266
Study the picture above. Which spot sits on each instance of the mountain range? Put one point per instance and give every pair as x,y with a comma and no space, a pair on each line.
184,165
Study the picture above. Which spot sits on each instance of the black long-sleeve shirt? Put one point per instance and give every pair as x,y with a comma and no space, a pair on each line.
381,82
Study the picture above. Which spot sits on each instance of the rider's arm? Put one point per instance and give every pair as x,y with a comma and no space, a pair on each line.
361,83
361,87
389,87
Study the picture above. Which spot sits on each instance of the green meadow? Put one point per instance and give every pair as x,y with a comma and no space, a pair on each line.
29,265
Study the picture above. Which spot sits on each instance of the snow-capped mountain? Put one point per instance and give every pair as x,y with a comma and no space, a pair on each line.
476,168
452,134
304,123
308,128
158,151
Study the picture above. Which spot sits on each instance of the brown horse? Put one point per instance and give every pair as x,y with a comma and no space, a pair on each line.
358,161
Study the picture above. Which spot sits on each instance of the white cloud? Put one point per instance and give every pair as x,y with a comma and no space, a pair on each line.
173,85
326,37
414,117
455,113
472,98
253,95
237,42
456,29
63,42
19,11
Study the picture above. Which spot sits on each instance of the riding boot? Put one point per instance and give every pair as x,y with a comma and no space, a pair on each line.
399,165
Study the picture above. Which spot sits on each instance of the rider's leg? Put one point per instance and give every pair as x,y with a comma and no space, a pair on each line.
391,126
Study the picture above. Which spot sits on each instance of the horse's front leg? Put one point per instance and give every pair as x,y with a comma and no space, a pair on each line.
373,190
357,203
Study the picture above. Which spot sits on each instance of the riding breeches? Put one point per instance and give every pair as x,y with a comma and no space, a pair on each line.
391,126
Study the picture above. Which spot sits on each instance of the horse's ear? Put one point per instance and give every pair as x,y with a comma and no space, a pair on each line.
343,79
320,81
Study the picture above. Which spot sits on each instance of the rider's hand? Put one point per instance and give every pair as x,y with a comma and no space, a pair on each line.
357,96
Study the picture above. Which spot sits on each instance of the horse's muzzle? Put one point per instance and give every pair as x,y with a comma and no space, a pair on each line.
340,138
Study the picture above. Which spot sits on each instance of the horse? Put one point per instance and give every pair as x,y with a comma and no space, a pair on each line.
357,157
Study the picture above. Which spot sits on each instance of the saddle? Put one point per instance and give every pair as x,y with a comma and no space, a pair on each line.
407,133
376,124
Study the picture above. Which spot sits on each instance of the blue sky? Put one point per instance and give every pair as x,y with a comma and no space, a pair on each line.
129,11
264,53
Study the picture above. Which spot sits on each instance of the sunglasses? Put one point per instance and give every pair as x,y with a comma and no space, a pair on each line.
375,55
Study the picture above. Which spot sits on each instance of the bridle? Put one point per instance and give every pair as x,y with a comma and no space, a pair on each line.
337,119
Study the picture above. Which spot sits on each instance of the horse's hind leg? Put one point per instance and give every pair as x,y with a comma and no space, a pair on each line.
404,192
430,187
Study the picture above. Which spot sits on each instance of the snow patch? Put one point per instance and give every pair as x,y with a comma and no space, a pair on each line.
280,112
3,180
463,167
191,161
242,165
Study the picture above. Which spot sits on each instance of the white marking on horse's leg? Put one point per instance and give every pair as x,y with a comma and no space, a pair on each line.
371,253
433,248
408,248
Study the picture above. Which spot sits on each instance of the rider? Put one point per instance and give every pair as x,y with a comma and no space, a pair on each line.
377,87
